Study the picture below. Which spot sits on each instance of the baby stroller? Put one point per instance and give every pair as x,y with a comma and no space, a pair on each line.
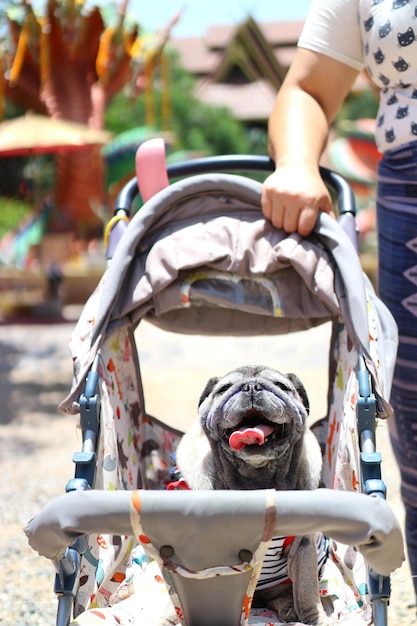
198,257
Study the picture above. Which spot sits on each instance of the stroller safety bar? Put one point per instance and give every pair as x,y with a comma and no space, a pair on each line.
234,525
229,521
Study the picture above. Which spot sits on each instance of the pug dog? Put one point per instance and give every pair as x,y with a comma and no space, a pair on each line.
252,433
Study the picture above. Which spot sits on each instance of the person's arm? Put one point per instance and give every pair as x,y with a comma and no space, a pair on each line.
312,93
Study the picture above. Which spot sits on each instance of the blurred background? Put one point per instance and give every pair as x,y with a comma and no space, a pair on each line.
82,86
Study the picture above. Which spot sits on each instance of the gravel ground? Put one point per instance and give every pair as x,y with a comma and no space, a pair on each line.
37,444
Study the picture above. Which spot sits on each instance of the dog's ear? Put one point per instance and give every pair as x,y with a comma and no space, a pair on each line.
208,388
301,390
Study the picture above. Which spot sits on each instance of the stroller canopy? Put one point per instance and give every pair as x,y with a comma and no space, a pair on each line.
200,258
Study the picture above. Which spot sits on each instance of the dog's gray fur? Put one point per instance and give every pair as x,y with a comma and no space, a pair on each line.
289,459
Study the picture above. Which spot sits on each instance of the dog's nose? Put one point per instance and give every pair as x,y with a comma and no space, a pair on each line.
252,387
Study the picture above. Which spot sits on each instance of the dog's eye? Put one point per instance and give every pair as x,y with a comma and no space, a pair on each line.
281,385
223,388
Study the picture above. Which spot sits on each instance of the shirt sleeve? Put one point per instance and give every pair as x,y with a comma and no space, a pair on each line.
332,28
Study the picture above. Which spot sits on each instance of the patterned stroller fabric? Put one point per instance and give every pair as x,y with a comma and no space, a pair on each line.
199,258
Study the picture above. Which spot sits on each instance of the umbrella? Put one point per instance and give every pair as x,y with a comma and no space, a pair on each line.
127,142
120,152
37,134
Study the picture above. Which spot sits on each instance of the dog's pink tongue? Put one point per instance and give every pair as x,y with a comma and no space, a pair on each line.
249,436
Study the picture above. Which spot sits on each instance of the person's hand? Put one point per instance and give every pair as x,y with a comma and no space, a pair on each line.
292,198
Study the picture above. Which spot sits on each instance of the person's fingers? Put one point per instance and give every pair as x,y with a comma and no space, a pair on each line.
308,216
273,207
329,209
290,218
278,215
266,202
307,219
320,203
292,209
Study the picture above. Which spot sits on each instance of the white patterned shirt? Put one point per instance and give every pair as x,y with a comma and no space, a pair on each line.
380,35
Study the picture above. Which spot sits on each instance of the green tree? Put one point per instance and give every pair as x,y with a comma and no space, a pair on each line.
359,105
196,126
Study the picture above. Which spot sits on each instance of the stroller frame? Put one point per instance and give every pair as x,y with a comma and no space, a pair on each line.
67,579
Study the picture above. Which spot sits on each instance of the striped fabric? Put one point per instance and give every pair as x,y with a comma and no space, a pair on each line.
397,242
275,568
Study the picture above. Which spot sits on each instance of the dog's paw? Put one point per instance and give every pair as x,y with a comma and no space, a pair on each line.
285,609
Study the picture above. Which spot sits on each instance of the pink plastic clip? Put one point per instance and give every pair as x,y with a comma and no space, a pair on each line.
151,169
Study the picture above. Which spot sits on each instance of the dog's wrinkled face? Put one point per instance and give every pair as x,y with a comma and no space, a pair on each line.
255,413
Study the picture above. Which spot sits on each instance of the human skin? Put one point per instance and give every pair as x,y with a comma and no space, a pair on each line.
306,105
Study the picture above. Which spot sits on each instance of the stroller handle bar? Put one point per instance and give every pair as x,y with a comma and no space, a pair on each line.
234,519
236,163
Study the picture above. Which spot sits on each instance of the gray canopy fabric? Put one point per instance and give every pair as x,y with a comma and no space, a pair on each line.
199,257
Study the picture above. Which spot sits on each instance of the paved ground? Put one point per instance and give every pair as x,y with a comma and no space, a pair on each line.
37,443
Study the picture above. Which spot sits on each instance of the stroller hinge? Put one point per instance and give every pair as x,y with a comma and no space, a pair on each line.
371,474
372,483
66,585
379,586
67,579
90,403
365,408
86,460
366,412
